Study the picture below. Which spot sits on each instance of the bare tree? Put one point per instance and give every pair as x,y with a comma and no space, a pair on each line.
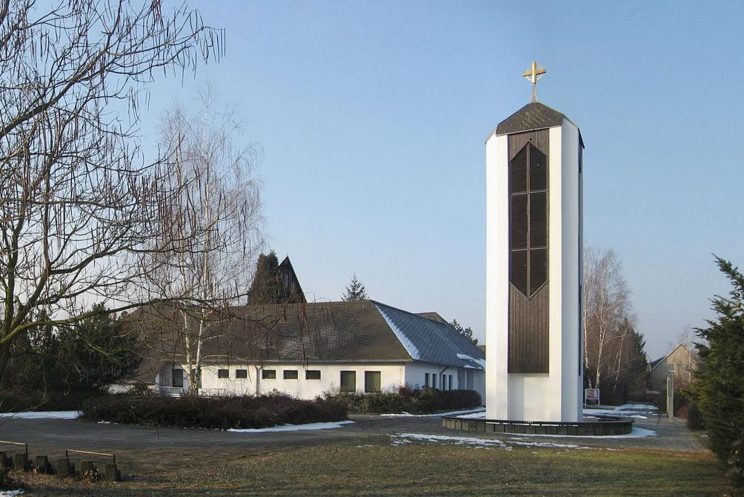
215,221
607,309
78,197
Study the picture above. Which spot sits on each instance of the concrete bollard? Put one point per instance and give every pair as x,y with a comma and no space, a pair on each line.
64,468
112,473
87,470
20,462
43,466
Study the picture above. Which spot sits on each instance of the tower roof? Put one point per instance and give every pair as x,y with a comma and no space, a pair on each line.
529,118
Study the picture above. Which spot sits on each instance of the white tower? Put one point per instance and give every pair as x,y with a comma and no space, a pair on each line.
534,266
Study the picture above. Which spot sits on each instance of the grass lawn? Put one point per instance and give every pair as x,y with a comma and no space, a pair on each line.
408,470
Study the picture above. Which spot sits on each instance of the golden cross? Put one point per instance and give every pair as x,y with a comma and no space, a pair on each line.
533,75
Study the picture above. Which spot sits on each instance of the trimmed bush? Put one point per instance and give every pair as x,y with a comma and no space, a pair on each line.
212,412
414,401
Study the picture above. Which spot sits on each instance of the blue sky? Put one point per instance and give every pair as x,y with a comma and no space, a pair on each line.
371,119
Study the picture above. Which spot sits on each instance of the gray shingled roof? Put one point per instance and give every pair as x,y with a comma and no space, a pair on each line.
362,331
530,117
429,341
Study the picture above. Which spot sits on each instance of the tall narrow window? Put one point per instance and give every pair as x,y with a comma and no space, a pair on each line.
528,220
372,381
348,381
177,378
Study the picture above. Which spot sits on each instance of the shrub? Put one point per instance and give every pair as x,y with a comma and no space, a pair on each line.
414,401
35,400
212,412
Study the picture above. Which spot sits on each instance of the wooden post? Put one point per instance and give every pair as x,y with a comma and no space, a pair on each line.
43,466
670,396
112,473
20,461
64,468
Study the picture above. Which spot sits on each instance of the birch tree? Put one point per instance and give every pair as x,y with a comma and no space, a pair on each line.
607,306
78,196
216,222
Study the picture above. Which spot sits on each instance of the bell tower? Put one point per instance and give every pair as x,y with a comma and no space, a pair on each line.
534,265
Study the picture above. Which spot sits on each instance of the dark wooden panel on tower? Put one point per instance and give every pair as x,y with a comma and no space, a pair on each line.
528,252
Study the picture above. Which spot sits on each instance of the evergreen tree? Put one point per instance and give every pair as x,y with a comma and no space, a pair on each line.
355,290
637,366
267,286
95,353
466,332
84,358
719,390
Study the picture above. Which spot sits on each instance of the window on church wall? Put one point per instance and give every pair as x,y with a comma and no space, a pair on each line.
528,216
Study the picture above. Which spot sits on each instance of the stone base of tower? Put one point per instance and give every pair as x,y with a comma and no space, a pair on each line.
598,427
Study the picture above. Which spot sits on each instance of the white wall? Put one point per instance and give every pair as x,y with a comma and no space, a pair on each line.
416,376
497,277
392,377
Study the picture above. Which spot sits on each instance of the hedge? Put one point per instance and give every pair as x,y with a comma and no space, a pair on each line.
414,401
212,412
12,401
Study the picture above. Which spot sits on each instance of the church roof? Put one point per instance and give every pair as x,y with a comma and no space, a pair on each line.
434,316
531,117
327,332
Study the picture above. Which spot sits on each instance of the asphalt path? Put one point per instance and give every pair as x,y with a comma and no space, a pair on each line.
53,436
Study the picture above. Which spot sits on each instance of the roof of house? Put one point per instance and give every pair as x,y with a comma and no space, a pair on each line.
660,360
347,331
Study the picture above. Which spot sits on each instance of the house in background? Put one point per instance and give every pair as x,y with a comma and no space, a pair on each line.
309,349
681,363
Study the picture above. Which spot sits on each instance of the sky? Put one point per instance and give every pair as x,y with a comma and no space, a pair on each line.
370,119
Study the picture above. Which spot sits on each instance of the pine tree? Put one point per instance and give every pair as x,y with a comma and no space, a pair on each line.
355,291
466,332
266,287
719,390
637,364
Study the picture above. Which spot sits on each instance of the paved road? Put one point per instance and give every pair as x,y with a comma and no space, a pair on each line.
51,436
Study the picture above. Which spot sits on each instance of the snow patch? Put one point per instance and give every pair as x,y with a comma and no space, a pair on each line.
282,428
10,493
462,414
638,411
404,438
421,437
474,415
479,362
402,338
41,415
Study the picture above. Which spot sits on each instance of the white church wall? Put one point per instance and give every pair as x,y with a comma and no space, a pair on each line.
572,369
497,277
392,376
